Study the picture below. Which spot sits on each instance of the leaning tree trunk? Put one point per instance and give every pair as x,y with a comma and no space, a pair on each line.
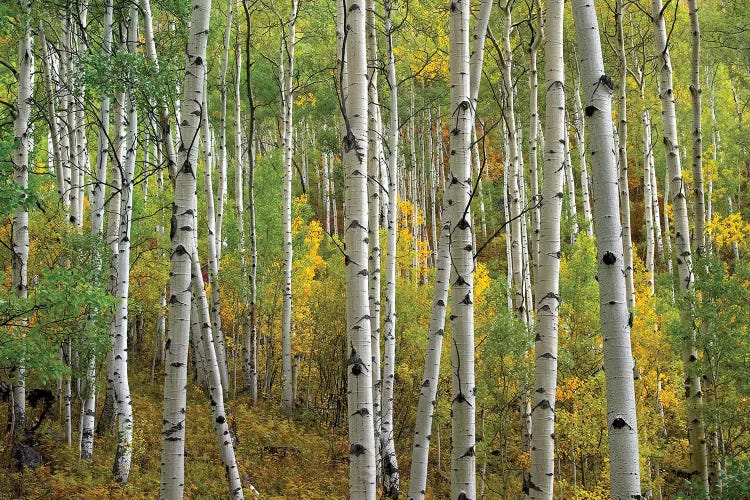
20,232
182,233
541,478
121,469
613,312
683,256
362,469
286,70
463,456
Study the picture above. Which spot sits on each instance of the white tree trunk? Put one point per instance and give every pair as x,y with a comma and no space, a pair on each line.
428,391
570,185
699,201
124,452
541,478
536,42
618,359
20,225
182,235
463,456
362,469
622,149
212,244
579,138
648,198
286,70
221,192
683,256
216,398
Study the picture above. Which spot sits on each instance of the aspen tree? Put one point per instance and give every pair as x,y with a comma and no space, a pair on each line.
286,71
537,36
463,455
683,255
221,192
20,224
541,478
618,360
579,138
121,469
622,154
362,469
570,185
699,201
184,210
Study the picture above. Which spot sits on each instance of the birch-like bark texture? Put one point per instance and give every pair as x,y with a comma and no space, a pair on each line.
184,210
216,396
622,155
536,42
428,392
541,479
250,339
682,253
20,224
618,359
458,216
362,469
286,71
374,167
570,184
221,192
384,424
121,469
699,201
648,197
54,129
579,138
212,244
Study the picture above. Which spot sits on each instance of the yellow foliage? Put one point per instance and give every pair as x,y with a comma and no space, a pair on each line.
728,230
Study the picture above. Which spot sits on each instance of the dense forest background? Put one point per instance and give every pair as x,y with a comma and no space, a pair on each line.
97,100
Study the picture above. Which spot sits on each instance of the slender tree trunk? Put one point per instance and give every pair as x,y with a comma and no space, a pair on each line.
536,42
20,225
362,471
683,256
570,184
221,194
184,210
216,398
579,138
428,392
286,70
54,128
463,456
648,198
541,478
622,156
618,359
699,202
124,452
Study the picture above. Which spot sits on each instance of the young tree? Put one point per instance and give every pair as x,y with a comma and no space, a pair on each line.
618,359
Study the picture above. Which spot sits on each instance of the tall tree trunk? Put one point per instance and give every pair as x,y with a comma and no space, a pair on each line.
570,184
463,456
212,244
622,150
182,234
250,342
541,478
683,256
579,138
618,358
362,469
121,469
286,71
536,41
221,192
699,202
216,398
428,391
648,198
20,224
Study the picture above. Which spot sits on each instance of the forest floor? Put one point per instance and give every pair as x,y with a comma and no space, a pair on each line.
282,458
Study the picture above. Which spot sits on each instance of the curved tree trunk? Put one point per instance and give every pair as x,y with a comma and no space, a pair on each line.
618,358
